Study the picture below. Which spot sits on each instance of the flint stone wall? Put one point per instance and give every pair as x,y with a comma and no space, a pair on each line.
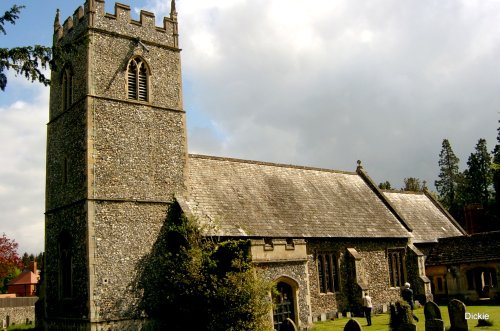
124,234
375,271
72,219
138,152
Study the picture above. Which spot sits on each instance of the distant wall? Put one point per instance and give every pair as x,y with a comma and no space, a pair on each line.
17,310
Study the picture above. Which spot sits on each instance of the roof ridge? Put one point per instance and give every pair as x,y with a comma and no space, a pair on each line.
273,164
401,191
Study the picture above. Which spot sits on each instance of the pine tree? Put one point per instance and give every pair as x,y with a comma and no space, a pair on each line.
29,61
478,176
448,176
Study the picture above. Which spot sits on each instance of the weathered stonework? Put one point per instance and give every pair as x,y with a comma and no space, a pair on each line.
113,164
375,272
116,163
295,274
17,315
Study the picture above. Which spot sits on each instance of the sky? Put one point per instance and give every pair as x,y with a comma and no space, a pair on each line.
320,83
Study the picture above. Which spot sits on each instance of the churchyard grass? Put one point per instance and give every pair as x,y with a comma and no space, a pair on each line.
381,322
21,327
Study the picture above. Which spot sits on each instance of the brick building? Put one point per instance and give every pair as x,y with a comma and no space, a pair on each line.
117,160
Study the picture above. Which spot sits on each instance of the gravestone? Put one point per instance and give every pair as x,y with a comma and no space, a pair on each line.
339,314
348,314
288,325
401,317
433,319
384,309
456,310
353,325
4,325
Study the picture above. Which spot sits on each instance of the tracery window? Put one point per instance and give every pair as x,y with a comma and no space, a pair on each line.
328,272
396,259
137,80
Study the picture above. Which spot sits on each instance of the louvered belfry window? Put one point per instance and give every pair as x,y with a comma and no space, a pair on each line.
137,80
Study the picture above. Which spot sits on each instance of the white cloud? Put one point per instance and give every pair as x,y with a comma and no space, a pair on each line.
327,82
22,174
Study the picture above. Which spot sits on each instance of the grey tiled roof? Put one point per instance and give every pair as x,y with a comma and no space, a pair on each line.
479,247
427,219
256,199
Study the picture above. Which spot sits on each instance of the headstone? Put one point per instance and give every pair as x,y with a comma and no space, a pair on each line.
433,319
353,325
456,310
432,311
434,325
4,324
323,317
288,325
401,317
348,314
339,314
384,309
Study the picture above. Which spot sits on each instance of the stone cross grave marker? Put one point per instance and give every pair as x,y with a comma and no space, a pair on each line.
433,319
353,325
456,310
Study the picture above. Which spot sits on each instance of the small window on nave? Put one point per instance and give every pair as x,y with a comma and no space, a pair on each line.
328,272
397,275
137,80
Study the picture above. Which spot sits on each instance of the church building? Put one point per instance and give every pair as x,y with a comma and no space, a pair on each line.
117,160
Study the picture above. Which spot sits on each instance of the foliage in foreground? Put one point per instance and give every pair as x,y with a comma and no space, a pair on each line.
193,283
32,61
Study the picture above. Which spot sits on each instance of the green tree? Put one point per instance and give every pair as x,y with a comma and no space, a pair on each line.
413,184
478,175
189,275
385,185
448,176
28,61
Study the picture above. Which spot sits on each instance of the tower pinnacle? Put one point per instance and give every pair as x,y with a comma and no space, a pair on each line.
57,24
173,11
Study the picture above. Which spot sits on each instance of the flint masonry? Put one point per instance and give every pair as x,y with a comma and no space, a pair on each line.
117,160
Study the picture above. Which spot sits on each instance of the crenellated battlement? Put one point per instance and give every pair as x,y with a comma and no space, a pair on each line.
93,15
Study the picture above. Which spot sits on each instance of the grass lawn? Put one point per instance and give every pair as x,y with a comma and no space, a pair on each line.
20,327
381,322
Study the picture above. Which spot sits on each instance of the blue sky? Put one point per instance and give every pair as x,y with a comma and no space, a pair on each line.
310,82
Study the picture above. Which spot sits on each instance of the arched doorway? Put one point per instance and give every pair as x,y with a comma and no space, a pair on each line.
283,305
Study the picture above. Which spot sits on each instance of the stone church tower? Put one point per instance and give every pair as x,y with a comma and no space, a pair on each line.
116,155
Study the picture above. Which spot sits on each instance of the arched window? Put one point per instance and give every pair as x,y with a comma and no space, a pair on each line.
67,88
137,80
